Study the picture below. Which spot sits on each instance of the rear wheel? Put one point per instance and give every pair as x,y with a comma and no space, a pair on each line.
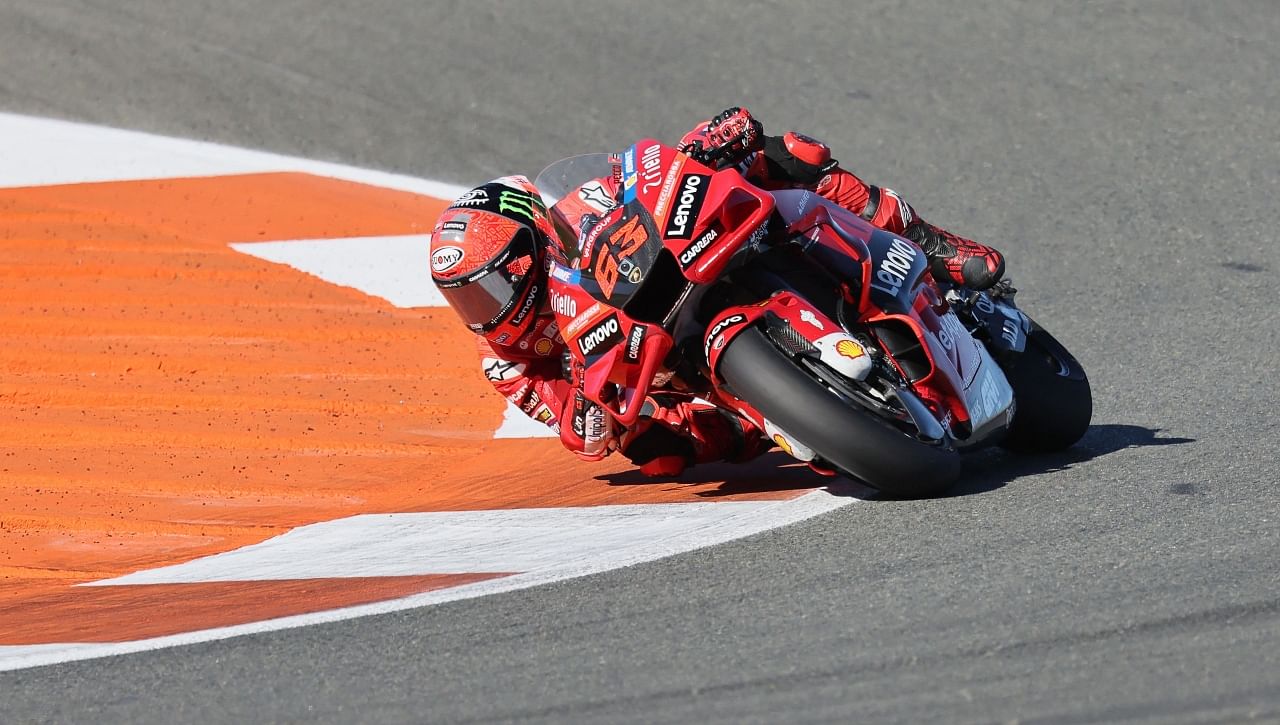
1052,394
848,432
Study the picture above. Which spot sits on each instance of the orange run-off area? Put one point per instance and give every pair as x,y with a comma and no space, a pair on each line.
166,398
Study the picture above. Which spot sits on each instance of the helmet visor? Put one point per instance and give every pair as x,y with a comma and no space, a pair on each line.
486,296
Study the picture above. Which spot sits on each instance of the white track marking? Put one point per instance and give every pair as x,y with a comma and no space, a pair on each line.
396,269
515,424
448,542
42,151
746,522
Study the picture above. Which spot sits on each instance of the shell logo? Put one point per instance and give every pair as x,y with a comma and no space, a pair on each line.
543,346
849,349
783,444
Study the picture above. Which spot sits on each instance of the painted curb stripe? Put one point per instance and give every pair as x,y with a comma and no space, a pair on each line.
185,408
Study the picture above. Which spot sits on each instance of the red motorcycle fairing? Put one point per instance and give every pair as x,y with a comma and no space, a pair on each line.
616,351
678,220
898,300
701,243
677,224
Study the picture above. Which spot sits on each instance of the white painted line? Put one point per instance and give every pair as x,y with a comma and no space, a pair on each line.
745,523
42,151
396,269
449,542
515,424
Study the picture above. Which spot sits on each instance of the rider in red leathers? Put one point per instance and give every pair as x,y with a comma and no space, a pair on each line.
492,246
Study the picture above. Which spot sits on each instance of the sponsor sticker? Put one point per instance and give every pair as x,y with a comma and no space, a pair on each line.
582,320
651,167
635,341
783,443
849,349
564,274
695,250
690,196
596,196
526,306
446,258
603,336
500,371
894,267
811,318
714,337
475,197
563,305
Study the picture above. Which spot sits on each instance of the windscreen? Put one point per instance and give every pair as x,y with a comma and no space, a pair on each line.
557,180
572,213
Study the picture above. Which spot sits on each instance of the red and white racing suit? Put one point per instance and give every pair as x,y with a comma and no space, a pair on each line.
673,431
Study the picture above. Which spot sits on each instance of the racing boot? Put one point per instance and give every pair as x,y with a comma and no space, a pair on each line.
956,259
674,433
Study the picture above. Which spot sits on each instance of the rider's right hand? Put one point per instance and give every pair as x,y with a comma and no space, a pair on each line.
586,428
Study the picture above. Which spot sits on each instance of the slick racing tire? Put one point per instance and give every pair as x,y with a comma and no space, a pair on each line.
1054,403
841,432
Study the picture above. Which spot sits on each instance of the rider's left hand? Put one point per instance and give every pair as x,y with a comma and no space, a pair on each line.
728,138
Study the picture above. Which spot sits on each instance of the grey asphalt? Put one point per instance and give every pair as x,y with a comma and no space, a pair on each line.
1126,157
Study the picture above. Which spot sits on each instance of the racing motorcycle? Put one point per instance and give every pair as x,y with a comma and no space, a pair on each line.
779,306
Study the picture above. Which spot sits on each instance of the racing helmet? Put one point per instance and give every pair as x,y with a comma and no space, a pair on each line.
488,257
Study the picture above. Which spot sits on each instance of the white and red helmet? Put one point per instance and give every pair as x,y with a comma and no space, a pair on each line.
487,257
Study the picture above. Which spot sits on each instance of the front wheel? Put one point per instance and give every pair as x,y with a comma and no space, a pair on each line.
839,430
1052,394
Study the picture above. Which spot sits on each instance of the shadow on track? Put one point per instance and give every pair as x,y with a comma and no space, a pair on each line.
774,471
990,469
984,471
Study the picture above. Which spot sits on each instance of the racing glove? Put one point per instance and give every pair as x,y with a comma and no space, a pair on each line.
590,431
585,428
726,139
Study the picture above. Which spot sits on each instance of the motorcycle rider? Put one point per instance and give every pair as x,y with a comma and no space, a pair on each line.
490,253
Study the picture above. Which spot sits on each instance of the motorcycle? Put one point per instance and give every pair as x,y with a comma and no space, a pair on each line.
828,333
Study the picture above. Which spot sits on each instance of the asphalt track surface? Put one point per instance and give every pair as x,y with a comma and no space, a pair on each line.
1125,156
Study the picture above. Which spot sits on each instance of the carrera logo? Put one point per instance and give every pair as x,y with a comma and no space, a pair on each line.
693,189
634,341
563,305
446,258
695,250
601,337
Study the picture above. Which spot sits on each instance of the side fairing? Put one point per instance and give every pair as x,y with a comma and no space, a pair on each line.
895,268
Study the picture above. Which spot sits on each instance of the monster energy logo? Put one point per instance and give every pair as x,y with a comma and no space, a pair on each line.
521,203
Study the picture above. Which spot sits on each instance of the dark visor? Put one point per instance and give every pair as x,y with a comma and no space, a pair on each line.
483,298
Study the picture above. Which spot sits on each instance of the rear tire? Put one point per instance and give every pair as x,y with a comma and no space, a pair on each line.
1052,393
840,432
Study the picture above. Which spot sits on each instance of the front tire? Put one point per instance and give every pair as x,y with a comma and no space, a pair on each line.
839,431
1052,393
